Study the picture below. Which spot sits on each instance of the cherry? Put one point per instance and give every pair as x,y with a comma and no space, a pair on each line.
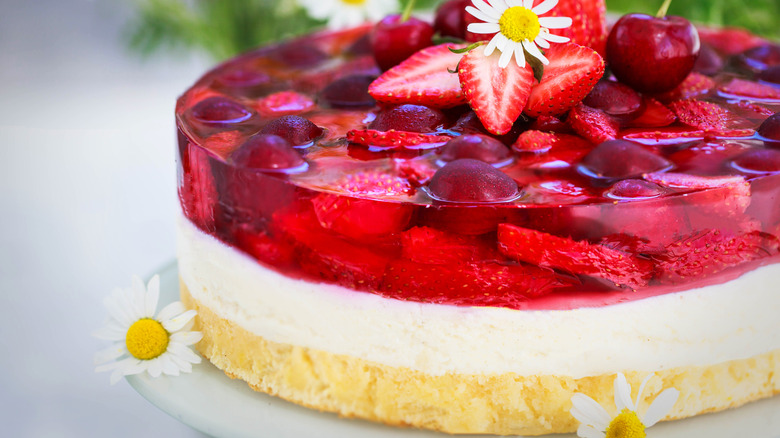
652,54
709,62
348,92
469,181
706,157
412,118
758,161
300,55
634,189
618,100
476,146
268,152
243,79
395,39
771,75
770,129
295,129
218,110
758,58
450,18
621,159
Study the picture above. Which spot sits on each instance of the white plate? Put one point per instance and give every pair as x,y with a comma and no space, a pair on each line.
214,404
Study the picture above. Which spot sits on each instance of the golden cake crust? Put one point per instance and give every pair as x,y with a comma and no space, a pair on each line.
503,404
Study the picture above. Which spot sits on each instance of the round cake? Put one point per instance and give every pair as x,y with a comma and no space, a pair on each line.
385,245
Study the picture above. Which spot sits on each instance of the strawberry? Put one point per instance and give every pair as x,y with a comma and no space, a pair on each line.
394,139
589,21
474,283
684,135
260,245
730,41
417,171
708,252
223,143
422,79
284,103
655,115
364,218
197,190
497,95
753,109
698,114
550,124
431,246
577,257
694,85
535,141
593,124
742,88
572,73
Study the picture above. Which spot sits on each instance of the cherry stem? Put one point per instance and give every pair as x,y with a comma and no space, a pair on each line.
407,11
664,7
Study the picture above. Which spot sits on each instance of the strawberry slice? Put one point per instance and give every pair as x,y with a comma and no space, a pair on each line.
260,245
655,115
743,88
535,141
727,196
549,251
698,114
572,73
676,135
284,103
422,79
593,124
435,247
694,85
730,41
589,26
497,95
223,143
394,139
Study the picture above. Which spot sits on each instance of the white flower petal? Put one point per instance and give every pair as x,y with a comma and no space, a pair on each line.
109,366
555,22
623,394
171,311
116,376
490,11
506,56
541,42
175,324
660,406
553,38
491,46
513,3
535,52
528,4
152,297
154,367
499,5
116,309
641,389
112,331
111,353
585,431
183,352
168,366
187,338
137,301
489,28
135,366
182,364
544,7
503,42
588,411
519,56
480,15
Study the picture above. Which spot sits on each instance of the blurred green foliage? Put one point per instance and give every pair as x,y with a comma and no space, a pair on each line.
224,28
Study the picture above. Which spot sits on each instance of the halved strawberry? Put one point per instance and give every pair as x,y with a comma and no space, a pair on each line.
417,171
743,88
589,26
576,257
197,190
655,115
223,143
593,124
725,200
729,41
572,73
497,95
435,247
394,139
683,135
422,79
698,114
694,85
284,103
534,141
260,245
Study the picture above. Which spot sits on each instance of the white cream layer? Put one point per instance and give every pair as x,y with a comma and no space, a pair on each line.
735,320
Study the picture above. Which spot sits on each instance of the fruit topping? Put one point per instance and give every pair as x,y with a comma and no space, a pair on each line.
575,257
770,130
348,92
758,161
270,153
634,189
770,75
497,95
730,41
476,146
197,192
534,141
284,103
593,124
758,59
654,115
423,79
706,157
652,54
472,181
697,114
619,159
709,61
450,18
223,143
572,73
412,118
431,246
683,135
263,247
694,85
394,139
295,129
743,88
300,54
589,24
220,111
616,100
243,79
396,37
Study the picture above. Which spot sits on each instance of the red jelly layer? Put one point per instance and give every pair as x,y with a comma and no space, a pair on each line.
674,207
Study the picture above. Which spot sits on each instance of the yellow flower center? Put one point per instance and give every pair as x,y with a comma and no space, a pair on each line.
353,2
626,425
146,339
518,24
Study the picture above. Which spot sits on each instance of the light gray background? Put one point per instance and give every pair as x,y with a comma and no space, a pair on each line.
88,199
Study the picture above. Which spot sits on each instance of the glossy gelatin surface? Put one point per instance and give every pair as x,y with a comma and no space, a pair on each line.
276,161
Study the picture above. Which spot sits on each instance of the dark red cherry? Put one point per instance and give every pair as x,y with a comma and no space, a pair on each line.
268,152
770,75
709,61
472,181
476,146
412,118
618,159
758,58
758,161
770,130
394,40
295,129
242,78
634,189
706,157
348,92
618,100
220,111
300,55
450,18
652,54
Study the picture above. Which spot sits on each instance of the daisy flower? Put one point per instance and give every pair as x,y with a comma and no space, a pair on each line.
346,13
518,28
142,341
596,422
